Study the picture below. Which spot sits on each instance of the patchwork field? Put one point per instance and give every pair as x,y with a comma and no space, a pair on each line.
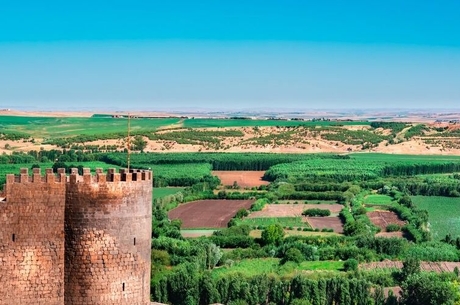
383,218
289,210
443,214
332,222
208,213
242,178
425,266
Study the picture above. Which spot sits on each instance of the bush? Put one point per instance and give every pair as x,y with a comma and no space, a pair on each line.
350,265
292,255
241,213
392,227
316,212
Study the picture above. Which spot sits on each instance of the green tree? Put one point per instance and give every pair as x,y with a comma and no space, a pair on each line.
292,255
350,265
428,289
139,143
273,234
411,265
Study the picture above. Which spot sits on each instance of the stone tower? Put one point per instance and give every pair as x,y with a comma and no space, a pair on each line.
74,240
32,239
108,228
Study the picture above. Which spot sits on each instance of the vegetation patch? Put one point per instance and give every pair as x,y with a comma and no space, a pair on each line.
443,214
376,199
160,192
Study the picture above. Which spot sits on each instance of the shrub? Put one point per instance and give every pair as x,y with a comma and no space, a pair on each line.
316,212
392,227
350,265
241,213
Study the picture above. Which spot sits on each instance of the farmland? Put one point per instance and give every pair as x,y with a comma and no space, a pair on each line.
180,134
322,223
239,233
272,266
165,191
208,213
444,214
378,200
293,210
384,218
242,178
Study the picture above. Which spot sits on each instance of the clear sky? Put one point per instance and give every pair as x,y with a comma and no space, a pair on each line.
236,54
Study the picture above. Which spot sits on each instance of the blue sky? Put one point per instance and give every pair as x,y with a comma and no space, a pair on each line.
229,54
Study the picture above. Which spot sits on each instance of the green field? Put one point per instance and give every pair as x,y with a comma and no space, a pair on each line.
159,192
49,127
443,214
283,221
57,127
256,266
378,199
195,233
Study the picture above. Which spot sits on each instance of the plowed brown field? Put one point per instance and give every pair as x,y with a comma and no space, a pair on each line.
243,178
208,213
425,266
326,223
292,210
383,218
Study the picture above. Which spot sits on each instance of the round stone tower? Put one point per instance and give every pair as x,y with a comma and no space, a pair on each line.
32,239
108,219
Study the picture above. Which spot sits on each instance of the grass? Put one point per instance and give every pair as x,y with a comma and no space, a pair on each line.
49,127
258,233
159,192
192,233
303,201
443,214
378,199
283,221
251,267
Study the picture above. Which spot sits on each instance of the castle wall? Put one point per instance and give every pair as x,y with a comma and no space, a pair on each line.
32,239
108,234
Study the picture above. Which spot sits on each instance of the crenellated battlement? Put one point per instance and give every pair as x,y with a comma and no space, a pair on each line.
112,175
37,177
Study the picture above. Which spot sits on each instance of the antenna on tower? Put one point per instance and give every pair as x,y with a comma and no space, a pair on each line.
129,142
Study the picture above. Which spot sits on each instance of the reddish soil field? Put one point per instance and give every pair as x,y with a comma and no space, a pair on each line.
243,178
208,213
326,222
293,210
425,266
383,218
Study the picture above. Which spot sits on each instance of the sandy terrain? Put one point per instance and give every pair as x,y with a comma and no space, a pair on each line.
302,141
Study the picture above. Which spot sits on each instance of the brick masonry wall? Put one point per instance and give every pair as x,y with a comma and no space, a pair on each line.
108,233
32,240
